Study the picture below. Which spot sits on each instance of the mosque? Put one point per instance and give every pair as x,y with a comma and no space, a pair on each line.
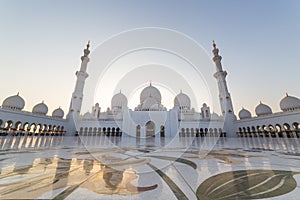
150,118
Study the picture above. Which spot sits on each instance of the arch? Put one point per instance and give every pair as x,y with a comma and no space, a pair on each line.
187,130
272,130
138,131
295,125
90,131
85,131
162,131
31,128
182,132
197,132
81,131
108,131
8,124
18,126
244,130
118,131
286,126
287,129
38,128
150,129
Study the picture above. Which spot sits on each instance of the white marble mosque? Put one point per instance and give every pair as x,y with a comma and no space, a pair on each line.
150,118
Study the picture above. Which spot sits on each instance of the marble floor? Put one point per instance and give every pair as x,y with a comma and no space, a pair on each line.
99,167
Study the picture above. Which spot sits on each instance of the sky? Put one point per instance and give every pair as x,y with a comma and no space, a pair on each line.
41,43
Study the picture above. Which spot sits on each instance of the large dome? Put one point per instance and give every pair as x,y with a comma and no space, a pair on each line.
244,114
14,102
263,109
119,100
182,100
289,103
150,91
59,113
40,108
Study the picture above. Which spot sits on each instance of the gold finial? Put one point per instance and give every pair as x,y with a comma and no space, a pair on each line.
18,94
260,102
243,108
88,45
43,101
214,44
286,94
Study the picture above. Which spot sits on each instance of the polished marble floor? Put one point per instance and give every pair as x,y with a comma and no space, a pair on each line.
94,167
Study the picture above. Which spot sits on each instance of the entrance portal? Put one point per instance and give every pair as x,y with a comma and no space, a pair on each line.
150,129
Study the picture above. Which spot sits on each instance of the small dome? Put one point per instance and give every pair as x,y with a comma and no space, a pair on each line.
182,100
150,104
289,103
150,91
263,109
244,114
40,108
59,113
87,116
14,102
215,116
119,100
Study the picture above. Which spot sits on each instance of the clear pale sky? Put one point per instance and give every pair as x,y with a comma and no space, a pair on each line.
41,43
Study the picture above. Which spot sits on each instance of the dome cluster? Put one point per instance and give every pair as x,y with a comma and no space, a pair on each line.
288,103
16,102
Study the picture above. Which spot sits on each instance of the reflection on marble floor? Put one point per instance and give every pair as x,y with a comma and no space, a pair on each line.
57,167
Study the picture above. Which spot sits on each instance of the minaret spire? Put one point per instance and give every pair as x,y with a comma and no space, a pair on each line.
224,95
77,95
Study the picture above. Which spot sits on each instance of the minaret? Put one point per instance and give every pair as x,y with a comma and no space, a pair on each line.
77,95
224,95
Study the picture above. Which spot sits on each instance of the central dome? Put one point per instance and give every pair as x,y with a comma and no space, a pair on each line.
150,91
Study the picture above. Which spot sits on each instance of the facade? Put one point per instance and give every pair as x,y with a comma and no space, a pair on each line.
150,118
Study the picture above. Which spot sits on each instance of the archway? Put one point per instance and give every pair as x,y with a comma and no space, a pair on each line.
138,131
162,131
150,129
